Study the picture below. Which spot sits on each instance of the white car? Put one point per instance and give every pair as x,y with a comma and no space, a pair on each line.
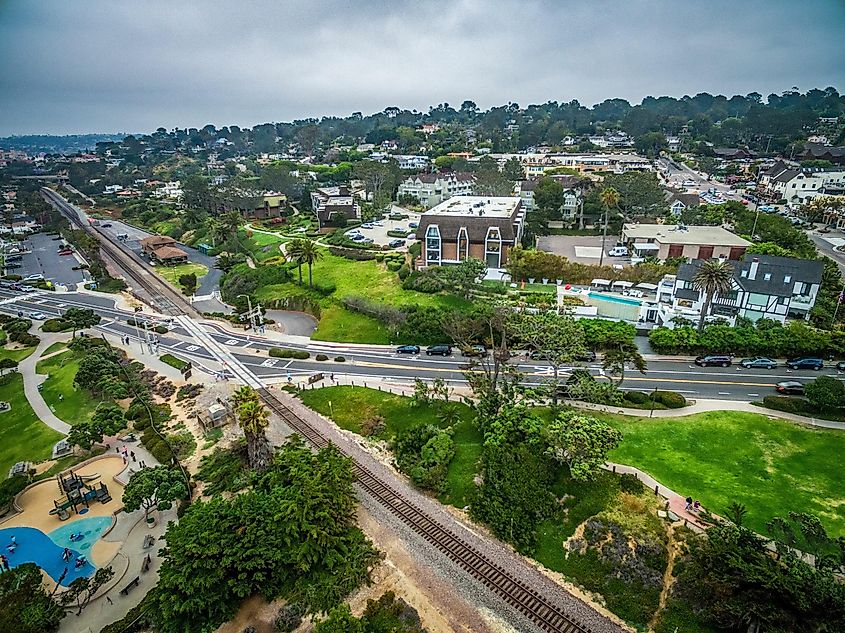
37,316
689,183
618,251
38,277
27,289
367,225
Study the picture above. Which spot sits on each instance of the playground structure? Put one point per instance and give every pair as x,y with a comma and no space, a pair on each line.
78,491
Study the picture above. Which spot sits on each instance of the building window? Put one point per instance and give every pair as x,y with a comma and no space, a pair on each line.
463,244
493,248
767,276
432,245
787,279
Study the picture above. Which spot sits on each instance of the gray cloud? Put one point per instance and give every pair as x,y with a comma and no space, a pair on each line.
133,66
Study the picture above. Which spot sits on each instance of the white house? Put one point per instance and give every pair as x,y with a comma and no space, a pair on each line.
680,202
763,287
432,189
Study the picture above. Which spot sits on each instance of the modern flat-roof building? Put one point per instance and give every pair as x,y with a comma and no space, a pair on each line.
334,206
478,227
677,240
432,189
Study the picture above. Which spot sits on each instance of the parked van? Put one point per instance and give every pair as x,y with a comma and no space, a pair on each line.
618,251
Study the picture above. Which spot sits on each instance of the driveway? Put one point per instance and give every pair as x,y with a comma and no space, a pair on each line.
584,249
208,284
379,231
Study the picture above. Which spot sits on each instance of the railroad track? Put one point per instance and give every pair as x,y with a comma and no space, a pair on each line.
547,615
165,299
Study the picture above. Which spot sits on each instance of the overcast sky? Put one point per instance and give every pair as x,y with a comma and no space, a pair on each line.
110,65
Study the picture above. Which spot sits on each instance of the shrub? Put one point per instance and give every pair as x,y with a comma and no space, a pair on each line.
24,338
373,425
393,266
403,272
670,399
171,360
799,406
299,354
321,357
826,393
339,359
55,325
636,397
631,484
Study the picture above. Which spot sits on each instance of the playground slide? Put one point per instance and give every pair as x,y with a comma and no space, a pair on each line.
87,478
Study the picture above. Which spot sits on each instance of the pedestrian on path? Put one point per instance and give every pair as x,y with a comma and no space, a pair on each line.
132,453
688,506
109,600
696,507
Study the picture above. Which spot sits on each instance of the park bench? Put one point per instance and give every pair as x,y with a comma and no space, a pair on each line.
125,591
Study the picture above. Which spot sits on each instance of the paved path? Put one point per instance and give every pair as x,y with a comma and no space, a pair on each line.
31,380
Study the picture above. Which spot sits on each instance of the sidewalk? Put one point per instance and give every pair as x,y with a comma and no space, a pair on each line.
705,405
31,380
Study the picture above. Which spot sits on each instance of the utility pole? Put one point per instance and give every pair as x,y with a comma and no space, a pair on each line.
256,320
603,238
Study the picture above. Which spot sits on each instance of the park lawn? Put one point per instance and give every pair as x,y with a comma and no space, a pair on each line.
172,273
55,347
16,354
23,437
348,406
76,405
258,244
771,466
341,325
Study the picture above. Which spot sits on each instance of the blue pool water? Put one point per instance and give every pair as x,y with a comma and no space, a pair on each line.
614,299
33,546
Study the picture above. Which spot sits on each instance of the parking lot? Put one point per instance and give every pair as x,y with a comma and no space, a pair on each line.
584,249
378,232
43,258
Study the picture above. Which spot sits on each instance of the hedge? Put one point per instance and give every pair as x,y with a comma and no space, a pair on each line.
56,325
321,357
670,399
799,406
171,360
278,352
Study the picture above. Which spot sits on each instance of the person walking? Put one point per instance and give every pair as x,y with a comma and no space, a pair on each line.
688,506
109,600
696,507
132,453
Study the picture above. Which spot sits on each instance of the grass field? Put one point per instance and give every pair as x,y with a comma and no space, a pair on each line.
258,244
771,466
23,437
172,273
368,279
55,347
350,405
16,354
70,404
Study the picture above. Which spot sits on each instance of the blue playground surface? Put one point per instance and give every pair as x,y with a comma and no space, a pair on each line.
33,546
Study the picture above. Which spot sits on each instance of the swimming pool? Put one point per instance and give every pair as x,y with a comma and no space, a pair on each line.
33,546
614,298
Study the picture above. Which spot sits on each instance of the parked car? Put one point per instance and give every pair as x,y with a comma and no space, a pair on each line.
587,357
36,277
438,350
805,363
11,265
396,243
790,388
26,288
618,251
66,251
840,366
714,360
37,316
14,258
474,350
758,362
408,349
413,225
367,225
106,225
689,183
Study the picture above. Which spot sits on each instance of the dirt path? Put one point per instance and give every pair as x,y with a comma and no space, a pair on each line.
672,547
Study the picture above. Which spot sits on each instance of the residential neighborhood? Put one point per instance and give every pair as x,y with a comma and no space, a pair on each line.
422,317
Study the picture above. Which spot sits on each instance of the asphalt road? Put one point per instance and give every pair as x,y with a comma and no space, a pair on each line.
43,259
368,362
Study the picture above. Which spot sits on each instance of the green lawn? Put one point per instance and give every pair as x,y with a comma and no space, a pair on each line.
68,403
172,273
16,354
368,279
258,242
350,405
339,324
55,347
23,437
771,466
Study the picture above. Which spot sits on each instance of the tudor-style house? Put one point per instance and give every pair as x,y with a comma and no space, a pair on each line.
763,287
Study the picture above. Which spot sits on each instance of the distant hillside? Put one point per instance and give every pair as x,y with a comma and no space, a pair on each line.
70,144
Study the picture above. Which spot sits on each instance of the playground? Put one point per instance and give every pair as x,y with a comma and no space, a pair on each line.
62,520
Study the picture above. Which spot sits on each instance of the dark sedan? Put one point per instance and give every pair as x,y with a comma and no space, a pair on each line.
790,388
438,350
805,363
713,361
758,362
474,350
408,349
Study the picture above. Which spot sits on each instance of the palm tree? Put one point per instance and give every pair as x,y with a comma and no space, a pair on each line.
216,230
294,252
242,395
310,254
609,198
713,277
253,419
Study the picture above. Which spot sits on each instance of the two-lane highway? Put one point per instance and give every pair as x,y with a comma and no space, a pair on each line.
371,362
